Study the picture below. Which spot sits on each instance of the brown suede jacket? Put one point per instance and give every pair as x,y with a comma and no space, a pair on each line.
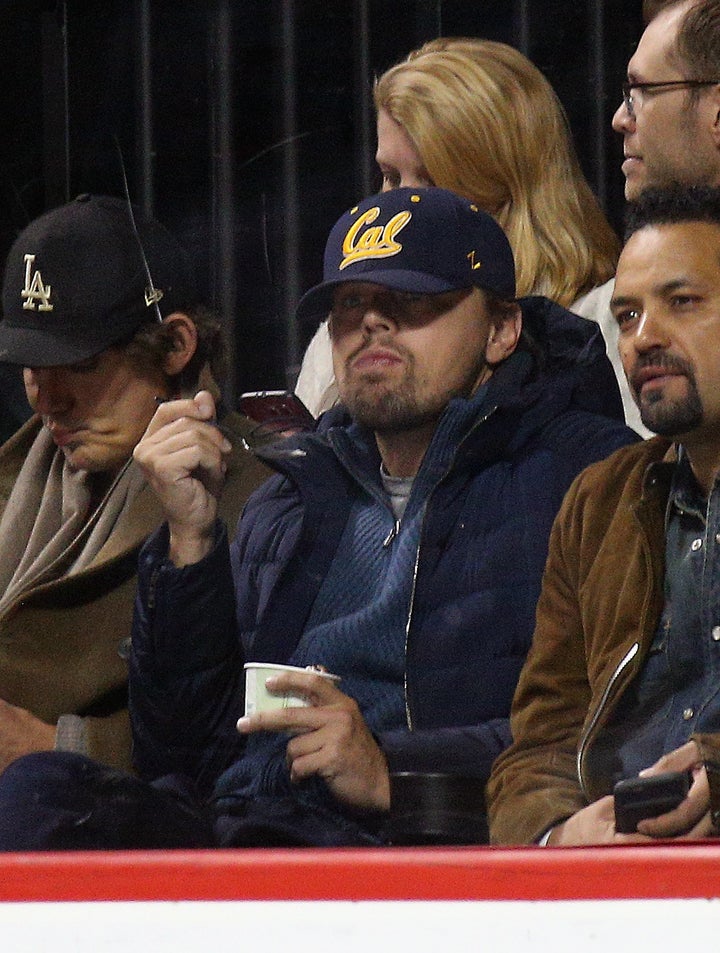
600,604
64,645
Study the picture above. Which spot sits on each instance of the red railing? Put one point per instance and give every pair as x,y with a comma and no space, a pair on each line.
601,873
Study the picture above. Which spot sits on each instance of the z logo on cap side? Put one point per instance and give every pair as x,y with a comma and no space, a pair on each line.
377,242
35,289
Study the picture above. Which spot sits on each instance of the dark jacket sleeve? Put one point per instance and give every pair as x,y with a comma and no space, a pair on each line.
535,784
186,665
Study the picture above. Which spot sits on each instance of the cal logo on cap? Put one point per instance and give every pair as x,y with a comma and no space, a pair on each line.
379,241
35,288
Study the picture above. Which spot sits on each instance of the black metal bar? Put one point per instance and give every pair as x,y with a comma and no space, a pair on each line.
598,86
223,276
363,112
522,16
145,141
55,105
290,189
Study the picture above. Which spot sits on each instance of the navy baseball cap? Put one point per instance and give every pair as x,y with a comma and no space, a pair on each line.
423,241
75,282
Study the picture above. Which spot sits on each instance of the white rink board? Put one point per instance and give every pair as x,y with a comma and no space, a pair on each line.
561,926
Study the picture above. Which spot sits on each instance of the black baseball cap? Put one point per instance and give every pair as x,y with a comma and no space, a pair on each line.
423,241
75,282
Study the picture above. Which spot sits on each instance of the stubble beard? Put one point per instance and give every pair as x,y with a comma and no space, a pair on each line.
672,418
390,408
666,417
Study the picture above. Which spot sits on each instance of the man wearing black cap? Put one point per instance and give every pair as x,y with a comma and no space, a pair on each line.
103,317
400,546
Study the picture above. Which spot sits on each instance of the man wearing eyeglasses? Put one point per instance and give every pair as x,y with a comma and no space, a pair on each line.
670,114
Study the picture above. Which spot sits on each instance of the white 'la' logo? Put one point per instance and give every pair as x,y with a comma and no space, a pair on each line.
34,289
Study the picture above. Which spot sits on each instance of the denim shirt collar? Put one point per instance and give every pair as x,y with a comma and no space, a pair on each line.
685,493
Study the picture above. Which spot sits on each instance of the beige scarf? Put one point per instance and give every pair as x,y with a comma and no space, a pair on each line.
51,526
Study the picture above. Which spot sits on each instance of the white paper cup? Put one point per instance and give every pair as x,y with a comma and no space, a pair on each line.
258,698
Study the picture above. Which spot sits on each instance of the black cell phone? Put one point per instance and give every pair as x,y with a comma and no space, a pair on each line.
277,411
638,798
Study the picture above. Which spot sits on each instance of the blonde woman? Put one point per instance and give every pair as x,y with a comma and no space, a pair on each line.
476,117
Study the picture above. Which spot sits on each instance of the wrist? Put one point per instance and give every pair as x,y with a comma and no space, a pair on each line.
558,836
188,545
544,840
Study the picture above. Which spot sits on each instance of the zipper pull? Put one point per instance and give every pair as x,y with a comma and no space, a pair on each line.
391,535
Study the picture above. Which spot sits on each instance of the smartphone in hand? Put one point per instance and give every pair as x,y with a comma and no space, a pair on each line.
277,413
639,798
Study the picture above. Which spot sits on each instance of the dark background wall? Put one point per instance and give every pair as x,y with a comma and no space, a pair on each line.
247,126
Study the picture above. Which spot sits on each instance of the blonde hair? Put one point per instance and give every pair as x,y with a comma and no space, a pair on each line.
488,125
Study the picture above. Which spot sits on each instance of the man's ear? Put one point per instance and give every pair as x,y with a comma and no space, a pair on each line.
504,335
185,342
713,107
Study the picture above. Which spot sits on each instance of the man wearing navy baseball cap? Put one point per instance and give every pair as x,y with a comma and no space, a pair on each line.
400,546
100,312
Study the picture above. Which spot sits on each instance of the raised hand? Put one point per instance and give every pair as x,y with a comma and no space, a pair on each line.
182,455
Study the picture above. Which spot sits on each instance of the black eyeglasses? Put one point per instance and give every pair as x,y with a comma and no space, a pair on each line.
627,89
